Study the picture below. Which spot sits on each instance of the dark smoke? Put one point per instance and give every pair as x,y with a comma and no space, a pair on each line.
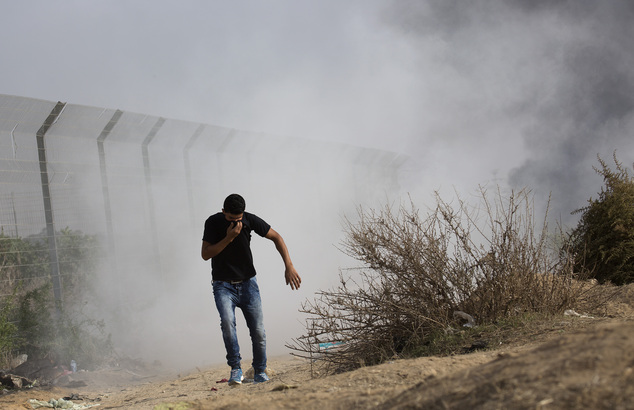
558,74
591,109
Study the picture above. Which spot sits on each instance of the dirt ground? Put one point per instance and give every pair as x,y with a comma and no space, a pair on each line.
577,362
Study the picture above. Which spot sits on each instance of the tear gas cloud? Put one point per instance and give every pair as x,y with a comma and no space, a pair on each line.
147,184
511,93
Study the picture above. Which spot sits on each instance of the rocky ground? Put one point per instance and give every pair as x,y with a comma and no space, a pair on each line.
573,363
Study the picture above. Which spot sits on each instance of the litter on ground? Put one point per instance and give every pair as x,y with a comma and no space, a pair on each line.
58,404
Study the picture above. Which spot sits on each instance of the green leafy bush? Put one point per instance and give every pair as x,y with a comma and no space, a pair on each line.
22,262
32,321
603,241
9,339
60,333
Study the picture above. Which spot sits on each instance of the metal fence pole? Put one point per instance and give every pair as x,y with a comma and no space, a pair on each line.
112,256
188,175
148,187
15,215
46,195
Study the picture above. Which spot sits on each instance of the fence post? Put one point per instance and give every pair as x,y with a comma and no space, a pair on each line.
15,215
46,195
148,188
188,174
106,196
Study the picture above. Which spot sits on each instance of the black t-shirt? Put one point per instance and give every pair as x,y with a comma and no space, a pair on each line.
235,262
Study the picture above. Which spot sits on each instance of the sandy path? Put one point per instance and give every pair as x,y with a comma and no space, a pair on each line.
587,368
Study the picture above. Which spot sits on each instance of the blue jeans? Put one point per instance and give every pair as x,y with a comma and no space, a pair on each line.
246,296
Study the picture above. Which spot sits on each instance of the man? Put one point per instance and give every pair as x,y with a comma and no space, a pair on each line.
226,241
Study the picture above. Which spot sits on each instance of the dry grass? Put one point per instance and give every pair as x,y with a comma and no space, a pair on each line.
422,276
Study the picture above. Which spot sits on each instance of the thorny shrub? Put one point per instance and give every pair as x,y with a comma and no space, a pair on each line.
421,276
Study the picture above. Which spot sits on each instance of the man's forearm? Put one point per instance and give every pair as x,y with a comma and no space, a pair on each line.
292,277
290,274
280,245
210,250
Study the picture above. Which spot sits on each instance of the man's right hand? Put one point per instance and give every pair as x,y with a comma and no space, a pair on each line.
210,250
234,230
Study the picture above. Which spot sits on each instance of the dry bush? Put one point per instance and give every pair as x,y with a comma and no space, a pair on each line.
420,276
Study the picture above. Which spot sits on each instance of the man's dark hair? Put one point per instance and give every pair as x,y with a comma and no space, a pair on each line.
234,204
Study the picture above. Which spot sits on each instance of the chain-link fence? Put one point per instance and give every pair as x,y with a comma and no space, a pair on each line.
146,184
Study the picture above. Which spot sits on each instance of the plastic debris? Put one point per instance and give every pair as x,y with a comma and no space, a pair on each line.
59,404
571,312
14,381
470,320
330,345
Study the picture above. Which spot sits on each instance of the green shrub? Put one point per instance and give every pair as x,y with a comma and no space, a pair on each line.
31,320
22,263
603,241
36,323
9,340
60,333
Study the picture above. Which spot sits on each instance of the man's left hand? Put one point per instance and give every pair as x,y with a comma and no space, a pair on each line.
292,278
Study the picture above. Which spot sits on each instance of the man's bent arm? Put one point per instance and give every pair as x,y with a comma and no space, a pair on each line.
208,250
292,277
